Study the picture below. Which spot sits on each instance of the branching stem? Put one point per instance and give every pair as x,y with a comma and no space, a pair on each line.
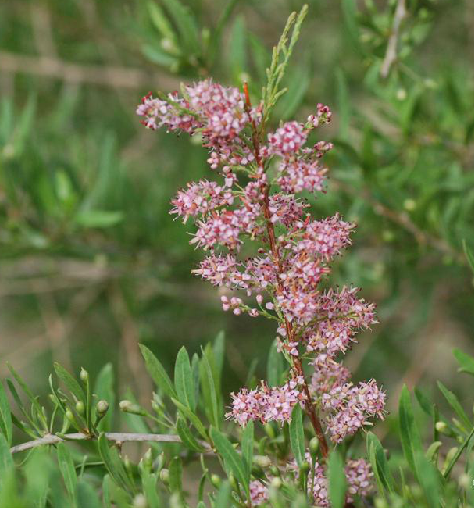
310,409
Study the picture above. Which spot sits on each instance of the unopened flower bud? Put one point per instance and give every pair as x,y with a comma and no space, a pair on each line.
102,407
305,466
148,459
215,480
464,481
449,457
262,460
139,501
314,445
128,407
409,205
275,483
126,462
84,375
441,427
380,503
80,408
274,471
70,415
124,405
165,475
233,482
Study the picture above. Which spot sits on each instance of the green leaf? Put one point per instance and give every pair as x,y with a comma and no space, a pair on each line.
218,349
176,472
68,471
160,21
157,372
469,255
337,480
28,392
429,478
233,462
149,489
188,414
71,384
98,218
114,464
349,11
6,459
187,437
458,454
344,108
209,392
106,492
455,404
424,402
411,443
37,470
378,461
5,416
223,496
297,435
247,447
86,496
275,365
184,380
104,388
465,361
186,25
238,49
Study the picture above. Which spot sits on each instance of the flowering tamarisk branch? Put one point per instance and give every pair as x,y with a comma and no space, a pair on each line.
255,204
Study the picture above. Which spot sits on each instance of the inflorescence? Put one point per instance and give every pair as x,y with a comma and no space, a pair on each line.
255,203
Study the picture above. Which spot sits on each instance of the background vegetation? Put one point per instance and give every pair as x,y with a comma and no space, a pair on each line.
91,262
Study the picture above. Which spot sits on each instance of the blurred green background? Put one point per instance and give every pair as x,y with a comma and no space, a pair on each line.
91,263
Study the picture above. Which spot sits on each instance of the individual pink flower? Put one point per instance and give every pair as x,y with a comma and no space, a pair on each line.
287,139
258,492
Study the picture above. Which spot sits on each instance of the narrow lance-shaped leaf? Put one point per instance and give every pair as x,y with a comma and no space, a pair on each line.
209,391
247,446
71,384
28,392
184,380
297,435
337,480
187,437
193,418
429,478
176,472
68,471
157,372
87,496
411,443
114,464
465,361
233,462
5,416
379,463
455,404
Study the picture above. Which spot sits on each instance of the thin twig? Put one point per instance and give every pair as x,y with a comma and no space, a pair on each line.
116,437
391,54
111,76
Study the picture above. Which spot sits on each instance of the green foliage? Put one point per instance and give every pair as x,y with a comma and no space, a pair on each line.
92,261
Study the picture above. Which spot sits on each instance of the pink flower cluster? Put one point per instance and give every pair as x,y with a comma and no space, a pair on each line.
358,475
292,254
351,407
267,404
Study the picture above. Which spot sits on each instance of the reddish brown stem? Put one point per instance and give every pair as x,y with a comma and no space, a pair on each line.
310,409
